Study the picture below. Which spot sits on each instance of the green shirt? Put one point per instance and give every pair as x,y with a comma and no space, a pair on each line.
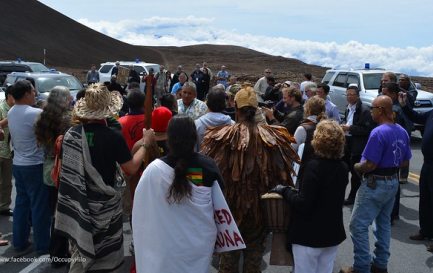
5,151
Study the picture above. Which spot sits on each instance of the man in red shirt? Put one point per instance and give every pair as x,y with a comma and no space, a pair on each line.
133,122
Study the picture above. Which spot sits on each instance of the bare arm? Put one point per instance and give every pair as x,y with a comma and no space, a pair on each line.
404,164
132,165
3,122
364,167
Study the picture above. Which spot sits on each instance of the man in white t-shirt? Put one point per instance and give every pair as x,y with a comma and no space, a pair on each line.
32,199
262,84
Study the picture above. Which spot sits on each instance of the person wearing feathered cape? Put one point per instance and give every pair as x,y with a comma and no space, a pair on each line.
253,158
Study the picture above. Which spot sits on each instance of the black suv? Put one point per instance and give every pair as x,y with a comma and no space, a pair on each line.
7,67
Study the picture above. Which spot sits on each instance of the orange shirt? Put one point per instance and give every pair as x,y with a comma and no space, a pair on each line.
132,128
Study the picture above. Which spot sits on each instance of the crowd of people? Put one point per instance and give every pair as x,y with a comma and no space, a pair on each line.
244,137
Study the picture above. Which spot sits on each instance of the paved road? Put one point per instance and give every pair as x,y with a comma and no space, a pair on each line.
406,256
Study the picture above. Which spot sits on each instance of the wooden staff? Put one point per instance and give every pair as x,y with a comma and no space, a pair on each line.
148,102
153,151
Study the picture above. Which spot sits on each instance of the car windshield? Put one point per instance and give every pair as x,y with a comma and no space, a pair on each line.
155,68
38,67
45,84
105,68
372,81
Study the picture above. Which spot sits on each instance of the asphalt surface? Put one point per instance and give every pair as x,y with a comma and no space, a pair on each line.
406,256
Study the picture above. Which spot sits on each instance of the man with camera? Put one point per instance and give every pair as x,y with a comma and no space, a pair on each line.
294,116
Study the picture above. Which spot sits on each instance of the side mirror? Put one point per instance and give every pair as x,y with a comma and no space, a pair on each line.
418,85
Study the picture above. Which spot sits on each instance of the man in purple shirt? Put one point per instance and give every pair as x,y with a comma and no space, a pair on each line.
387,149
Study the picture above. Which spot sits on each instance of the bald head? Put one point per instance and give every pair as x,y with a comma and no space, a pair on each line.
381,108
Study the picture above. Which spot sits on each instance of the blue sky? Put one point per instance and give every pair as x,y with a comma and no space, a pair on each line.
391,34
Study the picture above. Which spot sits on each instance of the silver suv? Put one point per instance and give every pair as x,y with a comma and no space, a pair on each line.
7,67
368,82
45,81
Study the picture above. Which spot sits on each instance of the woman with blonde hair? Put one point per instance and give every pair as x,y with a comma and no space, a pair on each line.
317,228
314,111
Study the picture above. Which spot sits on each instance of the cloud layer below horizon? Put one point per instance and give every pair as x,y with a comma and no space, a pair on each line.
164,31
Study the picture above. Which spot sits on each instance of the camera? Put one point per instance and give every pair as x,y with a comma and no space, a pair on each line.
267,104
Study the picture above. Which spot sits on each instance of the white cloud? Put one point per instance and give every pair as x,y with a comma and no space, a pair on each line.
163,31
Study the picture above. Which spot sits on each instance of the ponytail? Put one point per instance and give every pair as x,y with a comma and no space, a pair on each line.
182,137
180,187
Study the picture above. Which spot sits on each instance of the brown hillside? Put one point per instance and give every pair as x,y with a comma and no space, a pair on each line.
28,26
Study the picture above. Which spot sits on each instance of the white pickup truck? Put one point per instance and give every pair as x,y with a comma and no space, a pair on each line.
368,82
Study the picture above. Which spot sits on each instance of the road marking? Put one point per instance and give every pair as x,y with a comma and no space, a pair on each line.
414,177
35,264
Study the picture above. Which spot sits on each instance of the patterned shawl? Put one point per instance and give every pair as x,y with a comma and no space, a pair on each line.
89,212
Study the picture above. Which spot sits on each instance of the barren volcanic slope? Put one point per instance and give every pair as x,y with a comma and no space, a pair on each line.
27,27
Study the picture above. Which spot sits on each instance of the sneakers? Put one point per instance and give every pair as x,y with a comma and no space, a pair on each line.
4,242
6,212
348,202
430,247
375,269
417,237
347,270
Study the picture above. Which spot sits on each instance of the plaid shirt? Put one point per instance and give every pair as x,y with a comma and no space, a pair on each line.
196,109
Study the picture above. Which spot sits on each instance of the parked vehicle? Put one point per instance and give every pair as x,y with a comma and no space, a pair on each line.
368,82
7,67
45,81
141,67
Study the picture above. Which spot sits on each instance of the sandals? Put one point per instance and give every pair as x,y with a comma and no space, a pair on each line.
4,242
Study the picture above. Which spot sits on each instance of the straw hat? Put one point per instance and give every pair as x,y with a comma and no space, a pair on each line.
98,103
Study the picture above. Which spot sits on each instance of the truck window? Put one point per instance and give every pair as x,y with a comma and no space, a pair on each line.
353,78
340,80
327,77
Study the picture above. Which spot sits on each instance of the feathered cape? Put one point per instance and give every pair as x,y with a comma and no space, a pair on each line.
252,158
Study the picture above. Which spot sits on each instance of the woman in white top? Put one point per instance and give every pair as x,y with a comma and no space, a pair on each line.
173,216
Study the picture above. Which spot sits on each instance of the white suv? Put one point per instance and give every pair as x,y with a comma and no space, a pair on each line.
141,67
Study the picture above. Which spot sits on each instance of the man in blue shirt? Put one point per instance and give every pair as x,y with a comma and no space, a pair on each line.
222,76
331,109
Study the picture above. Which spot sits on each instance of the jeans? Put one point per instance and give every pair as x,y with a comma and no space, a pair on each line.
372,206
32,201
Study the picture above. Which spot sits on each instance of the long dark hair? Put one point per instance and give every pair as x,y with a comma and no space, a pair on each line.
182,137
55,118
